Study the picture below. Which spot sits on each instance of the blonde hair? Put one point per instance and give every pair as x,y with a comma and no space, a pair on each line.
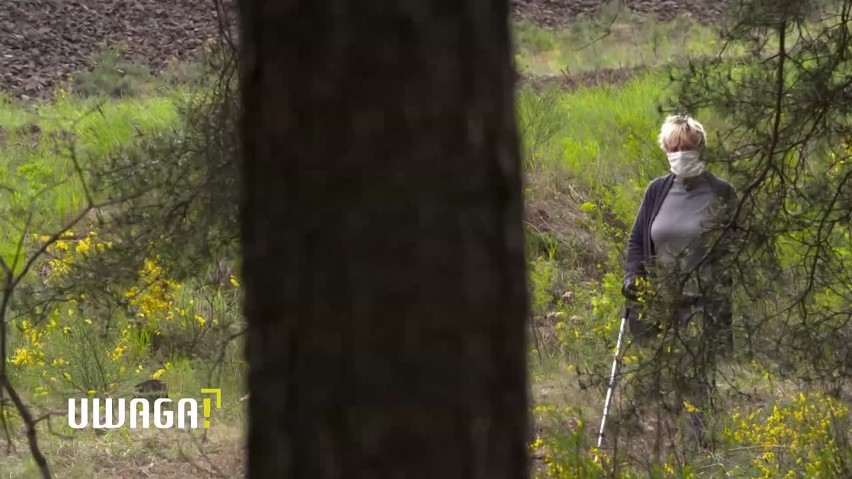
681,133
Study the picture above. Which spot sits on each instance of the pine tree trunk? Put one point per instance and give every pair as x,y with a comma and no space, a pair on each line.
383,256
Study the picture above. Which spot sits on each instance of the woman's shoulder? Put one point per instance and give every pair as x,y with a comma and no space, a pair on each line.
721,185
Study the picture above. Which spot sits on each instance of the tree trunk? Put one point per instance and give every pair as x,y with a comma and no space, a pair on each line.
382,240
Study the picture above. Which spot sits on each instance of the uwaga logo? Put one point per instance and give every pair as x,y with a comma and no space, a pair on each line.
109,413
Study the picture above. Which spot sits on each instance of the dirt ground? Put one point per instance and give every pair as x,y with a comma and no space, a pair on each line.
554,13
42,42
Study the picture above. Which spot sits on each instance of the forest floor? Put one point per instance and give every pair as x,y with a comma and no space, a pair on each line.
137,454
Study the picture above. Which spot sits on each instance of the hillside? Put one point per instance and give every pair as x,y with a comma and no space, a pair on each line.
40,47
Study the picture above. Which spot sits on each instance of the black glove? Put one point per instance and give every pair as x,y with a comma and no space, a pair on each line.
634,286
630,289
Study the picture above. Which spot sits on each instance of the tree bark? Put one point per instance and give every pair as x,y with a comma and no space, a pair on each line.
383,252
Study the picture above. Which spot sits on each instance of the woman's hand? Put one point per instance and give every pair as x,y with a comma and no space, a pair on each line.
631,289
636,288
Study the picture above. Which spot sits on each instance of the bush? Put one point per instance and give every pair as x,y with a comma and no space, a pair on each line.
113,75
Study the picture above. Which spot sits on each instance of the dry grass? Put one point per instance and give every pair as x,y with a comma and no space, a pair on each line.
136,454
552,207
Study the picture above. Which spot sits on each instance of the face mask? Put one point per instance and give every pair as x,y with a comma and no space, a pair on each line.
685,163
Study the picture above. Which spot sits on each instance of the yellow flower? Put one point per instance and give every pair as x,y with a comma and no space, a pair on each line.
22,357
158,373
689,406
630,359
82,248
91,392
118,352
537,444
200,319
234,282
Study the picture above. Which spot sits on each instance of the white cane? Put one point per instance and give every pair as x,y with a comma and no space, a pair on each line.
609,391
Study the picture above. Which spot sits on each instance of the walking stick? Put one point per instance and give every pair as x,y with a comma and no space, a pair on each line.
609,390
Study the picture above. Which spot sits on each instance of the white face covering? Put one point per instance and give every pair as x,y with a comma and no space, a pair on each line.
686,163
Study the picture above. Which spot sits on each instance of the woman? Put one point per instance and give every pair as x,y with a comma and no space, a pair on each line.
672,248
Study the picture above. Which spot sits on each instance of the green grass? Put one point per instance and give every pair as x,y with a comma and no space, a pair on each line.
37,169
625,42
42,192
604,138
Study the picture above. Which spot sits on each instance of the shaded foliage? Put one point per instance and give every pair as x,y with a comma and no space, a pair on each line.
786,145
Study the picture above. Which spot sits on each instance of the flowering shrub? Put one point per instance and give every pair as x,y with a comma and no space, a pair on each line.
805,438
67,251
154,299
72,342
564,447
589,327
